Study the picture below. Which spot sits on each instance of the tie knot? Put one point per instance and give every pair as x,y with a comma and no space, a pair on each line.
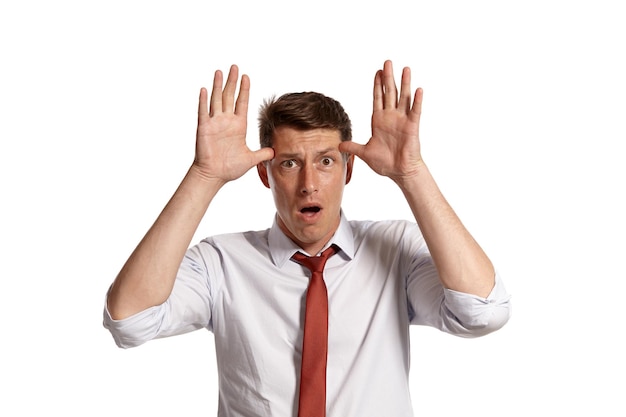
315,263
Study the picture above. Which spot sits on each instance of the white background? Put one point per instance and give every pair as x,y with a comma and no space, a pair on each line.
523,124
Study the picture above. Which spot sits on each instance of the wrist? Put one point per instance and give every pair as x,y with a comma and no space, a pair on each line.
414,177
198,173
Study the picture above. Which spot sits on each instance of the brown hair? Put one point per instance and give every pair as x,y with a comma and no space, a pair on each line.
303,111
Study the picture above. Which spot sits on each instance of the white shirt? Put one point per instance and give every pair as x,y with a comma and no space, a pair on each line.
245,289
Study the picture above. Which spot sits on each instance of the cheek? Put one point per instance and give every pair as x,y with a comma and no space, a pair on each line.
281,192
336,184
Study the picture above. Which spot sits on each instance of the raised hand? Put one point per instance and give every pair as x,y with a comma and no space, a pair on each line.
394,148
221,150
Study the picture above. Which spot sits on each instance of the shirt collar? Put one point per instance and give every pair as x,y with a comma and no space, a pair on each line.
282,247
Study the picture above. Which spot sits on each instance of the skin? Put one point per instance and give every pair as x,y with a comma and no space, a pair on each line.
307,177
394,151
297,172
148,276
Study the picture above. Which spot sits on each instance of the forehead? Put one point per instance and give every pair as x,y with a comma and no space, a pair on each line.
289,139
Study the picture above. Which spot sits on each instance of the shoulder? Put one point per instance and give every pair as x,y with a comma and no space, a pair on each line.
402,236
233,243
383,227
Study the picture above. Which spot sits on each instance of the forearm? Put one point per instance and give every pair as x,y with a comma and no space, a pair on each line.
461,263
148,276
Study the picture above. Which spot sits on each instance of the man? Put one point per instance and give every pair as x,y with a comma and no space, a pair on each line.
250,290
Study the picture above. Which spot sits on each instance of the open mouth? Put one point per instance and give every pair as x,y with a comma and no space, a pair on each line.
310,209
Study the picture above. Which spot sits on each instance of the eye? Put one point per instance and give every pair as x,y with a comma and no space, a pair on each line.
327,161
289,163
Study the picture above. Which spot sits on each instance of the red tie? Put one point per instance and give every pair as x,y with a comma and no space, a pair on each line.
315,342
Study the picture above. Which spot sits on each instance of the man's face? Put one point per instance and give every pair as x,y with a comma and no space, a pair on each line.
307,177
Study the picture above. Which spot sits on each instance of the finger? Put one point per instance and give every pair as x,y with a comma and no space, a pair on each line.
241,107
404,104
416,110
378,91
389,85
202,104
216,94
228,97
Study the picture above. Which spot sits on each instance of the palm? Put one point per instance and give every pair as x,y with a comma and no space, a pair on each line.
394,148
221,150
220,146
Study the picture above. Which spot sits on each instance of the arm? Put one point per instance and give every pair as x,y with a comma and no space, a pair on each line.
394,151
147,278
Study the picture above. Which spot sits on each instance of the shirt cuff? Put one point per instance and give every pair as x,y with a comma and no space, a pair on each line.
131,331
477,314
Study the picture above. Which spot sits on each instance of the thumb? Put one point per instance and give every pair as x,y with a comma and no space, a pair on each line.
352,148
263,154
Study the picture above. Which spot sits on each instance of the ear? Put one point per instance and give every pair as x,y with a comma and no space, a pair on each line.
349,165
262,170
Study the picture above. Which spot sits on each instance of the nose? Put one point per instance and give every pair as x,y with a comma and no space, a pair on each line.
308,179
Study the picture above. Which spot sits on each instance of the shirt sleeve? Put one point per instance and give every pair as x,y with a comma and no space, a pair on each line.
188,307
469,315
454,312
